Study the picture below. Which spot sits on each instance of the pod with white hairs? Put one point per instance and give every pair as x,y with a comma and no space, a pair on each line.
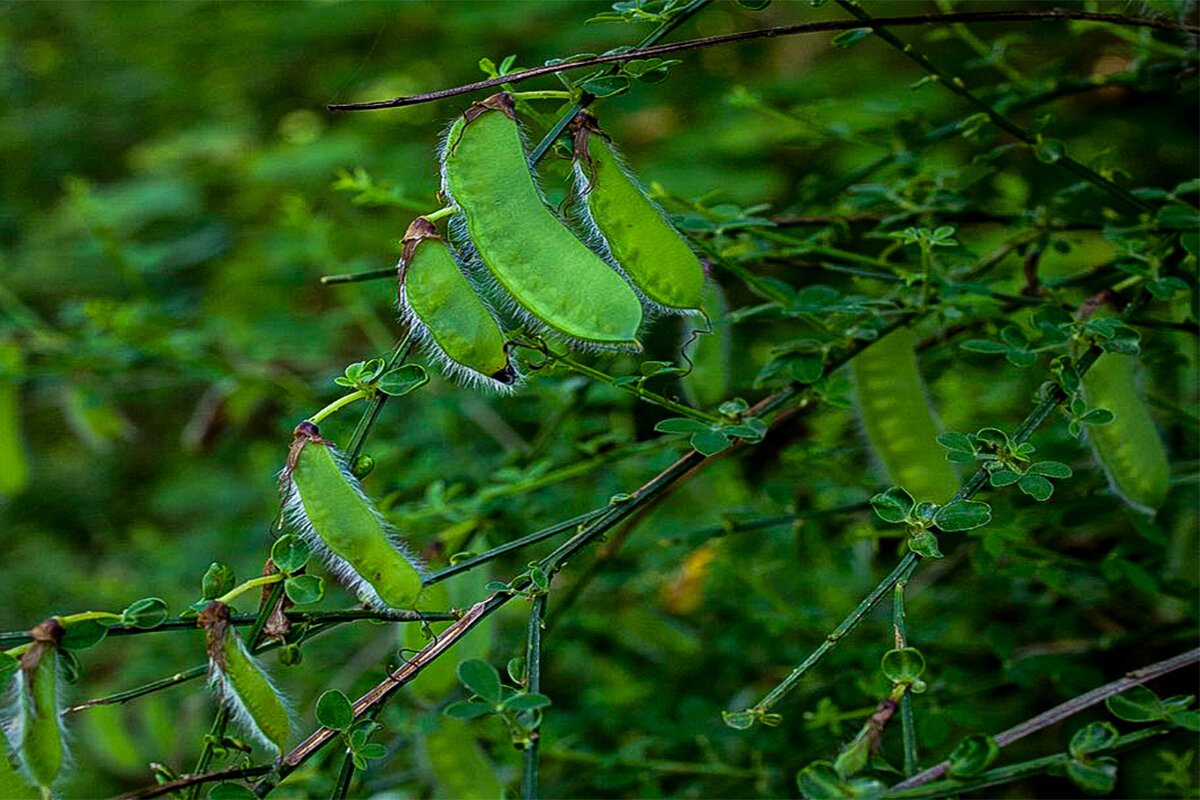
630,227
241,684
326,506
37,729
456,326
553,279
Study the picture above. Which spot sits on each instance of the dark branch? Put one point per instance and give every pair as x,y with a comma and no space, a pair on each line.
770,33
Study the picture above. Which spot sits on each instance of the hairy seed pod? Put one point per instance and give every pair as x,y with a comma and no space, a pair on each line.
456,326
38,731
1128,448
709,346
548,272
240,682
326,506
13,786
654,256
898,420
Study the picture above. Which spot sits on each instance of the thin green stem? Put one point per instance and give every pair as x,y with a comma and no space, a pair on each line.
545,94
371,415
956,85
358,277
262,580
907,724
533,684
441,213
341,402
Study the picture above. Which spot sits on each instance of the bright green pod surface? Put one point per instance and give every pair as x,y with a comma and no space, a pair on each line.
460,768
711,354
41,733
534,257
653,254
898,420
14,475
262,704
458,325
340,514
1129,448
12,785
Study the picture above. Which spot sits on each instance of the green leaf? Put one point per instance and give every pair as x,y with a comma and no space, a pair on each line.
361,731
1098,416
739,720
289,553
893,505
957,442
1098,776
983,346
83,634
467,709
853,758
1049,151
754,5
808,367
1049,469
526,701
681,425
403,380
1136,704
303,589
1003,477
709,442
334,710
1092,738
972,756
904,665
226,790
1188,720
924,543
218,579
149,612
606,85
516,669
372,750
963,515
820,781
1036,487
481,678
848,39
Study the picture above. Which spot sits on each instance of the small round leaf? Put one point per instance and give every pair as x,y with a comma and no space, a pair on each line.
149,612
334,710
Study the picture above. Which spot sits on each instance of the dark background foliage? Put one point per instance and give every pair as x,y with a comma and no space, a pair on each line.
173,188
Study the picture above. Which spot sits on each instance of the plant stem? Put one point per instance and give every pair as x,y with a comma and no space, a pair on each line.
357,277
441,213
533,684
341,402
371,415
907,724
764,33
262,580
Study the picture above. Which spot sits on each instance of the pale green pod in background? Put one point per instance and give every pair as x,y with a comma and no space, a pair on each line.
326,506
1129,448
14,474
38,729
898,419
241,683
655,256
441,307
711,353
549,274
460,767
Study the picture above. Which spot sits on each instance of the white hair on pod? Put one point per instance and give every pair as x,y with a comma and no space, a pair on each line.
227,694
581,214
475,268
424,339
17,696
297,519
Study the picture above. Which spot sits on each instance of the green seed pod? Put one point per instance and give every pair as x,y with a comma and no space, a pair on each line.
456,326
38,729
1129,448
632,229
460,768
710,351
899,422
441,677
241,683
326,506
551,276
12,784
15,475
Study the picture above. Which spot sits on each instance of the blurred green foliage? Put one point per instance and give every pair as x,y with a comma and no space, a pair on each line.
173,189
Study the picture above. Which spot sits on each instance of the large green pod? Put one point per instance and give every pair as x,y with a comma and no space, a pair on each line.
547,271
38,726
457,328
1129,448
14,475
327,507
644,244
898,420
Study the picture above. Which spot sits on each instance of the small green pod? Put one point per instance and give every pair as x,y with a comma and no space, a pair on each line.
708,343
38,727
327,507
15,475
635,232
441,307
898,420
241,683
1129,448
551,276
